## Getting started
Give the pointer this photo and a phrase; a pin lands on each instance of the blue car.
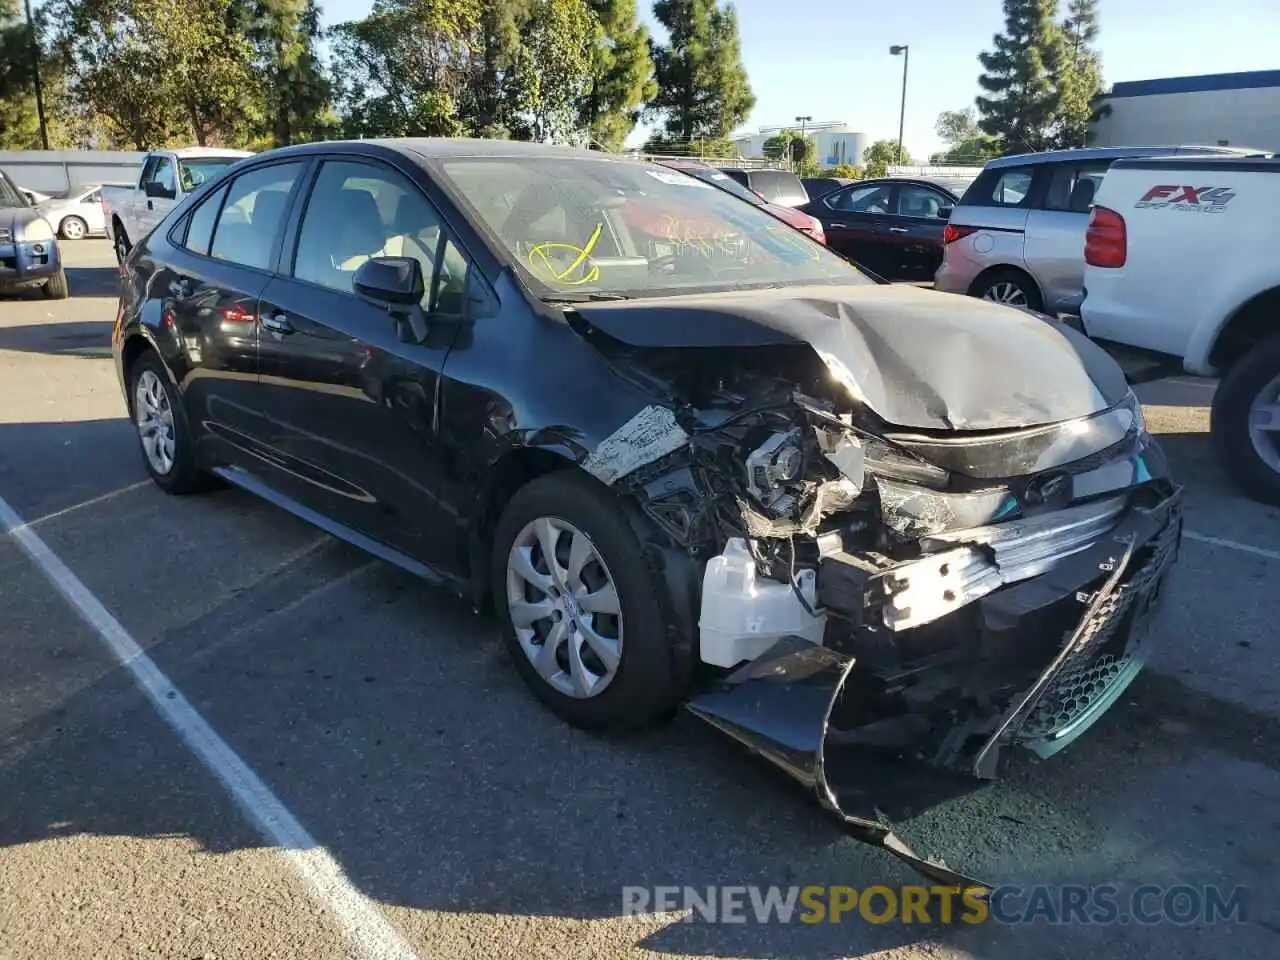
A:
(29, 254)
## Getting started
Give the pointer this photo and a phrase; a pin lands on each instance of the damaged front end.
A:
(890, 609)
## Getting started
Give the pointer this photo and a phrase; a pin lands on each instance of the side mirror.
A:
(393, 281)
(945, 212)
(395, 284)
(158, 191)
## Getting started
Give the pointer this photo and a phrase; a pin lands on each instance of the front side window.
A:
(162, 175)
(95, 197)
(252, 215)
(358, 211)
(588, 226)
(875, 198)
(917, 201)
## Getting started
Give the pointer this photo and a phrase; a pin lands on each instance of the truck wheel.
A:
(579, 607)
(1245, 422)
(55, 287)
(123, 246)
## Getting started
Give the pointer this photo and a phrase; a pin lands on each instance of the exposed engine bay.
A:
(927, 597)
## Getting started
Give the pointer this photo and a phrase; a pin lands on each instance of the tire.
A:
(1000, 284)
(73, 228)
(56, 288)
(644, 687)
(121, 243)
(1231, 421)
(182, 476)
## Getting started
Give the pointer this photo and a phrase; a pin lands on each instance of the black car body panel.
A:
(968, 488)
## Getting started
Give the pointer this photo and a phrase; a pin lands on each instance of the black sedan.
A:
(684, 452)
(892, 226)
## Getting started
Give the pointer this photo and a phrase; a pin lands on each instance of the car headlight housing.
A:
(36, 230)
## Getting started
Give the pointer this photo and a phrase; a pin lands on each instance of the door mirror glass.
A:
(390, 280)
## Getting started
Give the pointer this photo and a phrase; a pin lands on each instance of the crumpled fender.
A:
(779, 706)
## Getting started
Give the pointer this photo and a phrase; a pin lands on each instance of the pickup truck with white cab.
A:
(165, 178)
(1181, 265)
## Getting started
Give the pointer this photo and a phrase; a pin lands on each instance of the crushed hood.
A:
(917, 358)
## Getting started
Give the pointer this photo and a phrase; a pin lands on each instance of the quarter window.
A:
(358, 211)
(250, 221)
(1012, 189)
(200, 226)
(1073, 186)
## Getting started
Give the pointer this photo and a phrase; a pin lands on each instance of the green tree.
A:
(1021, 101)
(407, 68)
(778, 147)
(497, 53)
(553, 73)
(703, 89)
(294, 94)
(966, 143)
(622, 79)
(880, 155)
(845, 170)
(19, 125)
(1077, 74)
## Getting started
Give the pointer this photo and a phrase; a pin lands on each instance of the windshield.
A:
(195, 171)
(9, 195)
(587, 227)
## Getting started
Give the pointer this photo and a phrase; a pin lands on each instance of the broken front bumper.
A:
(907, 751)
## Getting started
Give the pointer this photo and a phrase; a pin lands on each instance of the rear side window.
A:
(1073, 185)
(253, 214)
(738, 175)
(779, 187)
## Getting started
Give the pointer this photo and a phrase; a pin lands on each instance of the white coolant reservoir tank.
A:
(743, 614)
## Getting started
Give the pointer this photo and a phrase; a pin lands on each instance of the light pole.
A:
(902, 113)
(802, 121)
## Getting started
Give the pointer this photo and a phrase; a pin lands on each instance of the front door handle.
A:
(277, 322)
(837, 226)
(899, 230)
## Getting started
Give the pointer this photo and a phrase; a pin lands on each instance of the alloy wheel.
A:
(1264, 424)
(564, 607)
(73, 228)
(1006, 292)
(153, 417)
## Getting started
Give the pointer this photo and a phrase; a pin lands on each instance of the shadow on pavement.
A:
(82, 282)
(386, 716)
(88, 339)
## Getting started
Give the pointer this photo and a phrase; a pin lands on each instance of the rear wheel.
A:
(72, 228)
(1246, 421)
(582, 616)
(168, 450)
(1013, 288)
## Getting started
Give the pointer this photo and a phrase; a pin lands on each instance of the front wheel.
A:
(1245, 422)
(56, 287)
(582, 615)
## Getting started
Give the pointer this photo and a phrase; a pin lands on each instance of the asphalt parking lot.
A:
(384, 717)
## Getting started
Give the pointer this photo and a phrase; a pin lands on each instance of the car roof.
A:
(1108, 153)
(185, 153)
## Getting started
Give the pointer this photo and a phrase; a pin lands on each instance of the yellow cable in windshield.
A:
(590, 276)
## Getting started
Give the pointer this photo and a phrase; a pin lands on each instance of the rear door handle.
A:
(277, 322)
(899, 229)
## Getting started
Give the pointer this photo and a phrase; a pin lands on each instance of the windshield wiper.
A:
(584, 297)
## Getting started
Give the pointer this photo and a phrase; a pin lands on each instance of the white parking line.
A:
(89, 503)
(1232, 545)
(371, 934)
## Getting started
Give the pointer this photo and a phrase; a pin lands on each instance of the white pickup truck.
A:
(165, 178)
(1182, 265)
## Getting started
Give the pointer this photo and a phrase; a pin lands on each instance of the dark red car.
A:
(789, 215)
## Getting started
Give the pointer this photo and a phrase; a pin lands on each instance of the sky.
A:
(829, 59)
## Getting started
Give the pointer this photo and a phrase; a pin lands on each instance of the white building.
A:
(834, 142)
(1224, 109)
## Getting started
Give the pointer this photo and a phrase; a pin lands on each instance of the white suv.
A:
(1017, 234)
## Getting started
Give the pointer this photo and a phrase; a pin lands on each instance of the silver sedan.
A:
(77, 215)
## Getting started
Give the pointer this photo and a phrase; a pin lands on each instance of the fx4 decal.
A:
(1166, 196)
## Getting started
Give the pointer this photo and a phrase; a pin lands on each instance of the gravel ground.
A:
(384, 717)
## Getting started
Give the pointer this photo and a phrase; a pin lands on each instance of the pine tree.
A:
(1078, 76)
(622, 75)
(295, 92)
(19, 127)
(1018, 75)
(703, 90)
